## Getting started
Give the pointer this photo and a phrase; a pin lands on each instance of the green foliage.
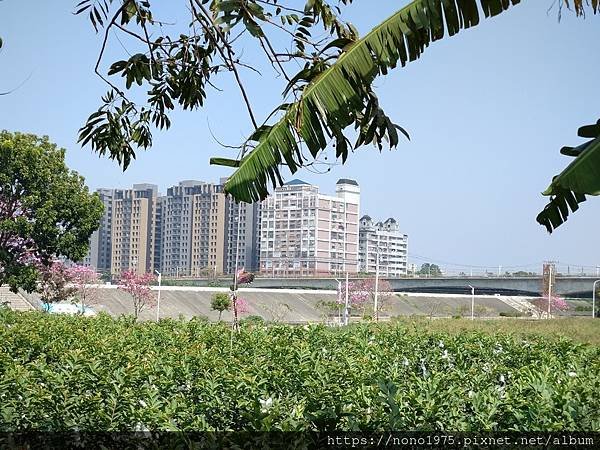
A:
(252, 320)
(339, 95)
(430, 270)
(64, 214)
(522, 273)
(67, 372)
(580, 178)
(220, 302)
(510, 314)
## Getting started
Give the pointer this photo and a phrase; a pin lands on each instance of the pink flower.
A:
(138, 286)
(241, 306)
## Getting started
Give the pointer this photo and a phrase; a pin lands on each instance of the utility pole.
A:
(594, 299)
(549, 289)
(158, 299)
(472, 302)
(347, 308)
(376, 281)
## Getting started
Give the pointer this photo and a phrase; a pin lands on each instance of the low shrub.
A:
(63, 373)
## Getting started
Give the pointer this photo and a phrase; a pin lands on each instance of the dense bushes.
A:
(61, 372)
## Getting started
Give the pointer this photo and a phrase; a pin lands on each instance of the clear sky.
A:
(487, 110)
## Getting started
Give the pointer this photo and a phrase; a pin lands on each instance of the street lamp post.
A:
(376, 282)
(347, 305)
(594, 299)
(339, 298)
(549, 289)
(472, 302)
(158, 299)
(346, 316)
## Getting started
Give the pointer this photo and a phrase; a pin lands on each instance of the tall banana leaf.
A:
(331, 101)
(580, 178)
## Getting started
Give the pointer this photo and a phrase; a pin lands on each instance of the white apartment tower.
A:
(303, 232)
(383, 241)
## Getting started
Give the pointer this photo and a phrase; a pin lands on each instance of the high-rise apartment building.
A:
(133, 229)
(193, 229)
(99, 253)
(303, 232)
(382, 241)
(243, 227)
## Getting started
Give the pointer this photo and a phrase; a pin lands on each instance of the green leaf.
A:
(569, 188)
(331, 101)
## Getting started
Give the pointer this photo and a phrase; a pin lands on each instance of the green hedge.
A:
(65, 373)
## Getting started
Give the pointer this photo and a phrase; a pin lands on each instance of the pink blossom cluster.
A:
(362, 291)
(16, 249)
(244, 277)
(138, 286)
(241, 305)
(557, 304)
(84, 280)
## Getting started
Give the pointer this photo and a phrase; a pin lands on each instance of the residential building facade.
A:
(382, 247)
(303, 232)
(243, 236)
(192, 234)
(99, 253)
(133, 229)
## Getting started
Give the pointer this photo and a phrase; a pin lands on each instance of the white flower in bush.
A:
(265, 405)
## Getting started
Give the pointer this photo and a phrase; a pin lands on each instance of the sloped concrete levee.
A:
(14, 301)
(295, 306)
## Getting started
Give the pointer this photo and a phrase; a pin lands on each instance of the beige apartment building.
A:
(193, 229)
(208, 232)
(133, 229)
(305, 233)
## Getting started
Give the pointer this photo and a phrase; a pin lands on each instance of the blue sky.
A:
(487, 110)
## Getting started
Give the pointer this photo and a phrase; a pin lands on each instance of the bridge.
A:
(576, 287)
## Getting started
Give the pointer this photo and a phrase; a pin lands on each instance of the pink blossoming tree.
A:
(361, 295)
(239, 305)
(19, 256)
(557, 305)
(85, 282)
(54, 283)
(46, 211)
(138, 286)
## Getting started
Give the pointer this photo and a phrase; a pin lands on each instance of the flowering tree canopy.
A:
(85, 283)
(557, 304)
(241, 305)
(361, 294)
(54, 283)
(46, 211)
(244, 277)
(138, 286)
